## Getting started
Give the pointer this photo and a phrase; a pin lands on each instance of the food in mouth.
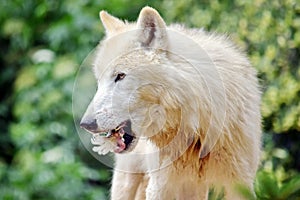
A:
(119, 136)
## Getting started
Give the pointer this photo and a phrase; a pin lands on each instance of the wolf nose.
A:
(89, 125)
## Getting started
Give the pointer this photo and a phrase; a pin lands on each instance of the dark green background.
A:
(41, 154)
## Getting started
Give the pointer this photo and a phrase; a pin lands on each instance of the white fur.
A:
(186, 86)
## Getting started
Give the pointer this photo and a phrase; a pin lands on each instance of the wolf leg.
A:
(125, 186)
(141, 191)
(160, 186)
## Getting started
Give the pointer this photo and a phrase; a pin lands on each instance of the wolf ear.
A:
(152, 29)
(110, 23)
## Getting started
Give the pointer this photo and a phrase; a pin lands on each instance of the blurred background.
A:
(42, 45)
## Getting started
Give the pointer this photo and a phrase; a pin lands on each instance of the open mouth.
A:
(121, 135)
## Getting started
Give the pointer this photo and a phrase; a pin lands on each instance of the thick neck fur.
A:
(176, 140)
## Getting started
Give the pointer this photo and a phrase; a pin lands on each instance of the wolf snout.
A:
(89, 125)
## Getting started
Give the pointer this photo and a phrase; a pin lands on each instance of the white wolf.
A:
(179, 107)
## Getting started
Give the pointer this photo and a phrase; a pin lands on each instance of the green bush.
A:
(42, 46)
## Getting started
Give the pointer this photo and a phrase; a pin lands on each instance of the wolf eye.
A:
(120, 76)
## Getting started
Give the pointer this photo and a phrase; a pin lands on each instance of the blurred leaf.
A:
(26, 79)
(64, 67)
(245, 192)
(51, 98)
(290, 187)
(13, 27)
(266, 185)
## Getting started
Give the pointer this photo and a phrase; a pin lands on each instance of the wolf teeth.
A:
(108, 134)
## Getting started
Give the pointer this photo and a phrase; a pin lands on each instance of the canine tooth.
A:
(108, 134)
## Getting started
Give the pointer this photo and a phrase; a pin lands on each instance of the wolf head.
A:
(146, 86)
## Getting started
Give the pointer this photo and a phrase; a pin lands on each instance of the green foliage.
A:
(268, 186)
(42, 46)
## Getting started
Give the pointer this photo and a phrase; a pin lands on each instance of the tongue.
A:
(120, 145)
(120, 141)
